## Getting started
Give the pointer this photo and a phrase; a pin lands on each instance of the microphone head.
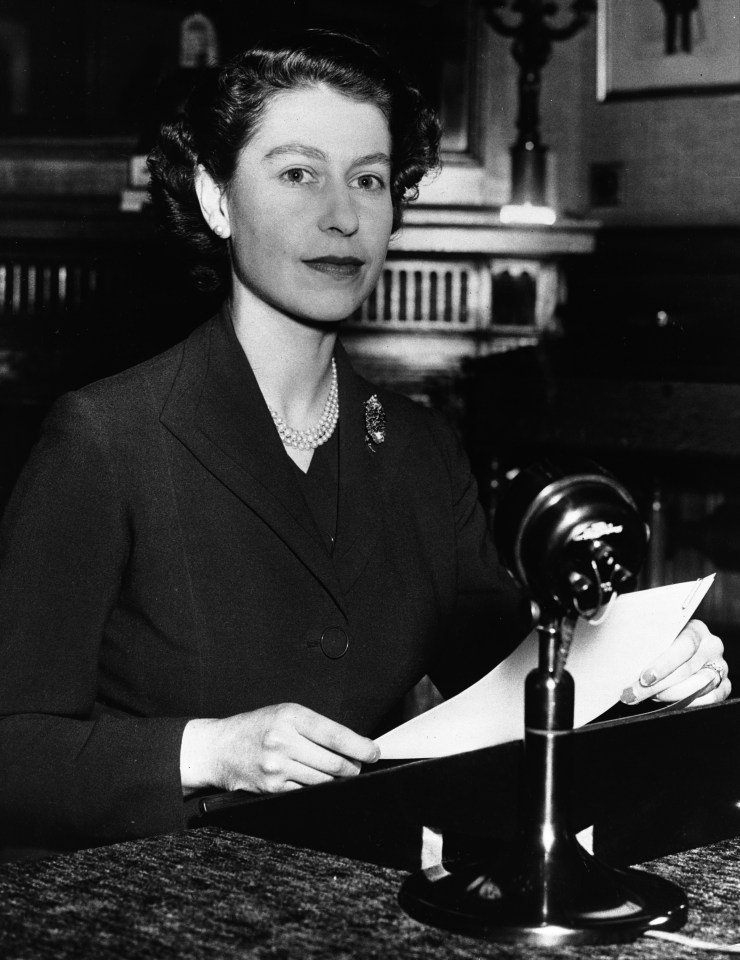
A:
(570, 533)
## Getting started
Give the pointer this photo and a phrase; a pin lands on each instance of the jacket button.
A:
(334, 642)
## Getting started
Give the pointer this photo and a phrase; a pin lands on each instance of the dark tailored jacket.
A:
(158, 562)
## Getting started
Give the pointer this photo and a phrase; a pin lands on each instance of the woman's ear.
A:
(212, 202)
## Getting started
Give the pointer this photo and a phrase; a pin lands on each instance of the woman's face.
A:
(309, 207)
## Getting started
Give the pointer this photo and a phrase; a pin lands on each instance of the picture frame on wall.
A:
(649, 48)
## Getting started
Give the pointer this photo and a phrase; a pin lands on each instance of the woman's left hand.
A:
(692, 662)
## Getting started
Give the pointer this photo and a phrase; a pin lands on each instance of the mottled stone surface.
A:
(212, 894)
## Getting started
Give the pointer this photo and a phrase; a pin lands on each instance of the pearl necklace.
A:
(314, 436)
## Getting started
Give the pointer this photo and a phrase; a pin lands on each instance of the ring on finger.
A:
(713, 665)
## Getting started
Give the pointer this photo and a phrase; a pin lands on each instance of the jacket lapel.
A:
(363, 475)
(217, 410)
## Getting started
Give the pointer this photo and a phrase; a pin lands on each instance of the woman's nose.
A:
(338, 213)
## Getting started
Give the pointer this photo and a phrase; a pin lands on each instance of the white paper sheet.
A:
(603, 660)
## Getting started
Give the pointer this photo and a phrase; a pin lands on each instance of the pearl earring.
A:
(218, 230)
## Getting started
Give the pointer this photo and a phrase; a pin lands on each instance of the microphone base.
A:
(595, 903)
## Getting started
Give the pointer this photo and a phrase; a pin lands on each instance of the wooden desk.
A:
(215, 894)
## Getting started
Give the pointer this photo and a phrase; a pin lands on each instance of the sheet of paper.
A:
(603, 660)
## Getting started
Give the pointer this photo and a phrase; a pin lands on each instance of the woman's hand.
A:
(692, 662)
(270, 750)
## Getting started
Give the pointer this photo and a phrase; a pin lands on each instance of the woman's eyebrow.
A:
(371, 158)
(312, 152)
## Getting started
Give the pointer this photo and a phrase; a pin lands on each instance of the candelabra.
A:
(533, 27)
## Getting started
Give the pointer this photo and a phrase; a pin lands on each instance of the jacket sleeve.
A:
(71, 777)
(492, 613)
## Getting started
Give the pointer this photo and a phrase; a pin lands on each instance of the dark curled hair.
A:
(223, 112)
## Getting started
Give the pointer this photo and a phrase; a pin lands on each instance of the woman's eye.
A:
(370, 181)
(297, 175)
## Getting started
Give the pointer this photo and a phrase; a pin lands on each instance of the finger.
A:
(304, 775)
(290, 775)
(710, 650)
(680, 652)
(308, 775)
(326, 761)
(705, 654)
(693, 647)
(709, 680)
(336, 737)
(720, 693)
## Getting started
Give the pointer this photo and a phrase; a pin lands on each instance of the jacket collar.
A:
(216, 409)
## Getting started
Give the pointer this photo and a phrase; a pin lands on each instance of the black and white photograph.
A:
(369, 471)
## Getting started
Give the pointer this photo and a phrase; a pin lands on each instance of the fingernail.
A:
(629, 695)
(648, 679)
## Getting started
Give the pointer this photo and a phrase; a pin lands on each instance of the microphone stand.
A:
(554, 893)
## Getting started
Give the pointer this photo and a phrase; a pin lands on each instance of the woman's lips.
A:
(340, 268)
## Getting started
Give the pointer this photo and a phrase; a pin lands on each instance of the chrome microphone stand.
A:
(573, 540)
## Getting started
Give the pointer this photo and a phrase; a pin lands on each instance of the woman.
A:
(224, 567)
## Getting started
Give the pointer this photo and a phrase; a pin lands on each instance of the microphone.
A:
(571, 534)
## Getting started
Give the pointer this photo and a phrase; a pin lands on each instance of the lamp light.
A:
(527, 214)
(572, 535)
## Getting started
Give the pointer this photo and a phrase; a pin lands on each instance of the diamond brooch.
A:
(374, 423)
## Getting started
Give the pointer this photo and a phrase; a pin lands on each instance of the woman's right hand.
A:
(270, 750)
